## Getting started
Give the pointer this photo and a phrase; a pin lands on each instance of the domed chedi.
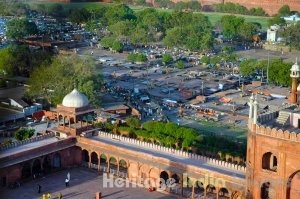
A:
(75, 99)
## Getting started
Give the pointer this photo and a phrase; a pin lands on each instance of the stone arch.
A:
(211, 191)
(85, 156)
(269, 161)
(47, 164)
(36, 167)
(103, 160)
(293, 186)
(60, 120)
(113, 163)
(94, 158)
(223, 193)
(56, 162)
(26, 170)
(199, 187)
(176, 178)
(123, 167)
(164, 179)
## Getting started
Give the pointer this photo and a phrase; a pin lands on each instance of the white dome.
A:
(295, 67)
(75, 99)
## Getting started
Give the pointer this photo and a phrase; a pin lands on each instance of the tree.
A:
(79, 16)
(292, 35)
(257, 12)
(20, 28)
(117, 46)
(118, 13)
(107, 42)
(247, 30)
(24, 133)
(166, 59)
(276, 20)
(231, 25)
(133, 122)
(56, 10)
(121, 29)
(53, 81)
(139, 36)
(284, 11)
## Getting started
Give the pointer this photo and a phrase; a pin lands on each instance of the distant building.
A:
(294, 18)
(272, 33)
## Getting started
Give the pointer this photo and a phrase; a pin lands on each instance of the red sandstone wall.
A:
(270, 6)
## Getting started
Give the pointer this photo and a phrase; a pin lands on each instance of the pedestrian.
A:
(49, 196)
(67, 182)
(59, 196)
(39, 188)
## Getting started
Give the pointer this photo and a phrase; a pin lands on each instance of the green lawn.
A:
(214, 17)
(227, 130)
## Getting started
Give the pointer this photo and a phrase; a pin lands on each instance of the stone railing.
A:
(271, 115)
(277, 133)
(173, 151)
(27, 141)
(262, 118)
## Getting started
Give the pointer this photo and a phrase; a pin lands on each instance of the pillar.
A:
(217, 190)
(193, 190)
(90, 159)
(118, 167)
(255, 111)
(251, 106)
(293, 96)
(69, 122)
(99, 166)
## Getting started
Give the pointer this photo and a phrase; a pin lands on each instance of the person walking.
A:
(39, 188)
(67, 182)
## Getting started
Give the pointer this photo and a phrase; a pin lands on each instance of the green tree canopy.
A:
(118, 13)
(79, 16)
(292, 35)
(24, 133)
(231, 25)
(276, 20)
(20, 28)
(53, 81)
(284, 11)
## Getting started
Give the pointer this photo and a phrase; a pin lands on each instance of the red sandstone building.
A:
(273, 149)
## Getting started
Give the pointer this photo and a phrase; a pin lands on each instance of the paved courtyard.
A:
(84, 184)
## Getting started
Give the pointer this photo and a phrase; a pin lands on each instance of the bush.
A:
(166, 59)
(205, 59)
(137, 57)
(133, 122)
(180, 64)
(24, 133)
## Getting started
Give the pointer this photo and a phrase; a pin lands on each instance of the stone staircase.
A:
(283, 117)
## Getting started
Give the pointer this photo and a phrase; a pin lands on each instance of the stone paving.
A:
(84, 184)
